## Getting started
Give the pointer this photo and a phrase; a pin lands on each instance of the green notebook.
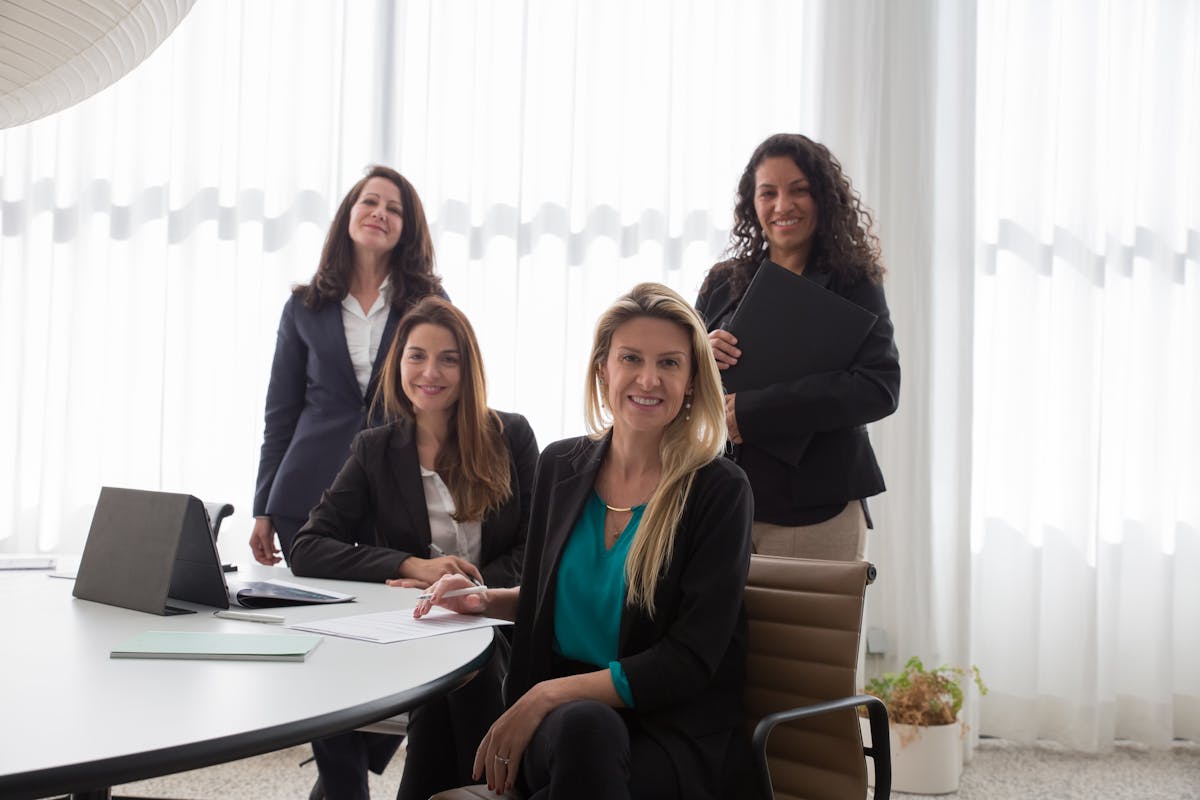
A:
(222, 646)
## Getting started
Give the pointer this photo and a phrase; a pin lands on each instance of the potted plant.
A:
(923, 710)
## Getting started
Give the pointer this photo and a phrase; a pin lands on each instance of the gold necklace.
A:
(618, 510)
(613, 528)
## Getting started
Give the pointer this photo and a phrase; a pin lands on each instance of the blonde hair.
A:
(474, 460)
(694, 438)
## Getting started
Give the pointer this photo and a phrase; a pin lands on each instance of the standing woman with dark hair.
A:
(334, 332)
(443, 488)
(629, 646)
(796, 206)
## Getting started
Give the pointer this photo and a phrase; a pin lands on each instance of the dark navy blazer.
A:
(314, 408)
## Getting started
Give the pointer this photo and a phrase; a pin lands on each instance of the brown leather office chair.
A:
(805, 617)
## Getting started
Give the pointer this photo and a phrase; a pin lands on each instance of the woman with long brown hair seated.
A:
(443, 489)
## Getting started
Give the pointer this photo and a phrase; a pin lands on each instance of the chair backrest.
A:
(216, 513)
(805, 617)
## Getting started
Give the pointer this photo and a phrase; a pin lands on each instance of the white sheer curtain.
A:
(1086, 529)
(568, 152)
(149, 238)
(564, 151)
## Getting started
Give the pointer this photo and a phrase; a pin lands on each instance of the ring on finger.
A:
(502, 760)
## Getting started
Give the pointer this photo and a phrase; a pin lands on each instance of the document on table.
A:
(385, 627)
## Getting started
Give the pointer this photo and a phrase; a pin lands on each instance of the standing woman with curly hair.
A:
(333, 336)
(796, 207)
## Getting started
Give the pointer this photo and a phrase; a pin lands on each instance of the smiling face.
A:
(785, 207)
(377, 216)
(647, 373)
(431, 369)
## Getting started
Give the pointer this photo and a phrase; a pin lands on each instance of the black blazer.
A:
(833, 408)
(686, 665)
(314, 407)
(374, 515)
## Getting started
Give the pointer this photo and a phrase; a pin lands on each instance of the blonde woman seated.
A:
(629, 645)
(443, 489)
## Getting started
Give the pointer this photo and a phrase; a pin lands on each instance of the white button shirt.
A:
(462, 539)
(364, 331)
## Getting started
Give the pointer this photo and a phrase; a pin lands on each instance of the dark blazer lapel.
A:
(716, 318)
(410, 496)
(819, 277)
(567, 498)
(385, 344)
(333, 332)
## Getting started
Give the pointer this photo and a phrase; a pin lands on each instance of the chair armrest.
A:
(880, 750)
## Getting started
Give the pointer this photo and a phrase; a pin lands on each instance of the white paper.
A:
(385, 627)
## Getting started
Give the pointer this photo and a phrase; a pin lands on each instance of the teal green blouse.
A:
(590, 594)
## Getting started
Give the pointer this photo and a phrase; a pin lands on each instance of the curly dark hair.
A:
(843, 242)
(411, 260)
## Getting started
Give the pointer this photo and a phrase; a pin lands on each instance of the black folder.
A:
(787, 328)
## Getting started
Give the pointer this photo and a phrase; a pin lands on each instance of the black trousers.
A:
(443, 735)
(586, 750)
(343, 761)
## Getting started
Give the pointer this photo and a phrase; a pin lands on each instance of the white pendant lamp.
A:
(54, 53)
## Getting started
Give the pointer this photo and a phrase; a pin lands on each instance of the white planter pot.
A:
(925, 760)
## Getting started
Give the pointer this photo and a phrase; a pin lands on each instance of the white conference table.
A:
(72, 720)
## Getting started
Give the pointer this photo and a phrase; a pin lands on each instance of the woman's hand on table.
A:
(421, 573)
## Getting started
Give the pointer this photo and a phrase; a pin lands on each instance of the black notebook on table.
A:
(146, 549)
(787, 328)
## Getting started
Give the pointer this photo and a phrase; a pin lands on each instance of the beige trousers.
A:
(843, 538)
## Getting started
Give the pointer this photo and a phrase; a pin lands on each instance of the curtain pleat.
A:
(1086, 519)
(1033, 176)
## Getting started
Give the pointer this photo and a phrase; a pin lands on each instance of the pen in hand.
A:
(437, 552)
(477, 589)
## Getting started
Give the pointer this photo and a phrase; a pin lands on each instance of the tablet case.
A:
(144, 548)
